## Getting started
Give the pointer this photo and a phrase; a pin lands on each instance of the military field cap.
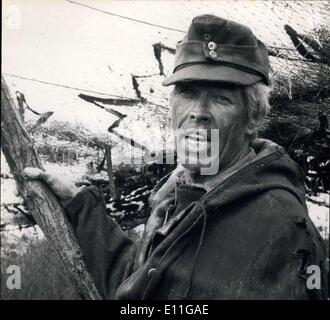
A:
(216, 49)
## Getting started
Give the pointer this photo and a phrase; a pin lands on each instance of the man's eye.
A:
(222, 99)
(187, 92)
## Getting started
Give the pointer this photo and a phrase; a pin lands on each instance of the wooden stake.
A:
(42, 202)
(110, 170)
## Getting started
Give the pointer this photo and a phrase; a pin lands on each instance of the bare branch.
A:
(299, 43)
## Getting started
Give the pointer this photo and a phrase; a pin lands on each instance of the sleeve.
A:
(291, 263)
(108, 252)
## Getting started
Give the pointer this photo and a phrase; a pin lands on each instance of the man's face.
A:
(199, 107)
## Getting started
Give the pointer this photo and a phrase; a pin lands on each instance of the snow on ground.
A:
(319, 214)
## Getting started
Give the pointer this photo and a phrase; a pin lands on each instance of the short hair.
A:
(257, 100)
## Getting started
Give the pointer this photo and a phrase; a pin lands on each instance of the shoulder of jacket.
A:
(290, 218)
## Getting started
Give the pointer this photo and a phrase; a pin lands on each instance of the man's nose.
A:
(200, 114)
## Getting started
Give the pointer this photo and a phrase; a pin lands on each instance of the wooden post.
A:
(110, 171)
(42, 202)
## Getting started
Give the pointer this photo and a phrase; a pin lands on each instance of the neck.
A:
(194, 176)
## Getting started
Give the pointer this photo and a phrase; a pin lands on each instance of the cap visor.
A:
(211, 72)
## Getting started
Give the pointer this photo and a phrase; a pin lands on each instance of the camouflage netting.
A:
(297, 37)
(126, 48)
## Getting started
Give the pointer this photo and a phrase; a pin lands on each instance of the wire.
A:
(124, 17)
(2, 229)
(156, 104)
(66, 86)
(149, 23)
(294, 139)
(79, 89)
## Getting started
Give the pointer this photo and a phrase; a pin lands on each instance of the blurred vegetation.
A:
(41, 275)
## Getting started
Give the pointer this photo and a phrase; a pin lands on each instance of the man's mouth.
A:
(197, 140)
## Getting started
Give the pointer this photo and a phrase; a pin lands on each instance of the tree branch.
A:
(130, 141)
(299, 43)
(41, 201)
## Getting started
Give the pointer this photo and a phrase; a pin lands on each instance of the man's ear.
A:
(253, 125)
(252, 128)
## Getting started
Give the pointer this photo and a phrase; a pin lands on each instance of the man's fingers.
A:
(38, 174)
(61, 187)
(33, 173)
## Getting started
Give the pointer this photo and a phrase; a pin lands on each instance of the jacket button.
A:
(213, 54)
(212, 45)
(151, 272)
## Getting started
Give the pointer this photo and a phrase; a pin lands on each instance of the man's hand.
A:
(61, 186)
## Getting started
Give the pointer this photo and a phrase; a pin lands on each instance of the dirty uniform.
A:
(244, 235)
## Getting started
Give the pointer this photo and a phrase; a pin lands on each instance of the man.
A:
(230, 222)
